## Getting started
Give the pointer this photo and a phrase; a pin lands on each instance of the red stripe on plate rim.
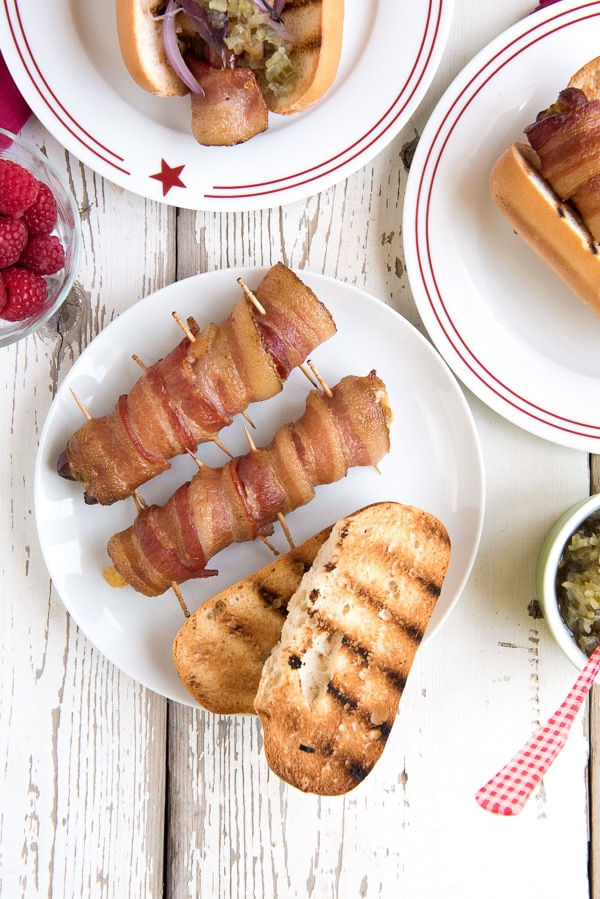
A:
(336, 162)
(49, 98)
(455, 339)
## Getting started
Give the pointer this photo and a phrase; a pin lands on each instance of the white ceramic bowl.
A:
(546, 571)
(68, 229)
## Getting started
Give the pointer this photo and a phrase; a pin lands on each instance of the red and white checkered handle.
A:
(508, 791)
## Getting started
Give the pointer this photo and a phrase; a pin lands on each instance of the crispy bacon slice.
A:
(566, 137)
(186, 398)
(232, 108)
(241, 500)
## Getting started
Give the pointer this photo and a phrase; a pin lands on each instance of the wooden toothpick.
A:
(198, 462)
(250, 440)
(222, 446)
(252, 298)
(286, 530)
(179, 595)
(81, 406)
(326, 388)
(184, 327)
(141, 364)
(140, 502)
(307, 372)
(269, 545)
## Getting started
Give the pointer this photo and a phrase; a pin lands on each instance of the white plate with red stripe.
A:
(513, 334)
(65, 59)
(434, 462)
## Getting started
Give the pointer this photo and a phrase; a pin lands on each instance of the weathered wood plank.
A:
(83, 745)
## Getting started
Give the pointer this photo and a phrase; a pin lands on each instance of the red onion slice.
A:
(212, 27)
(173, 52)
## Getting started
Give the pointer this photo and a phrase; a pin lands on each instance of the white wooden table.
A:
(109, 790)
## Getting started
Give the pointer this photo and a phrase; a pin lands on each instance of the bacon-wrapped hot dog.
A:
(549, 189)
(241, 500)
(186, 398)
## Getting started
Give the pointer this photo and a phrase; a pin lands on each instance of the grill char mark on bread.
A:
(355, 623)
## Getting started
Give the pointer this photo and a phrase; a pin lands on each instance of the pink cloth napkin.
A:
(14, 111)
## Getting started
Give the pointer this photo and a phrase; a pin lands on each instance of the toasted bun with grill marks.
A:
(330, 690)
(220, 651)
(317, 27)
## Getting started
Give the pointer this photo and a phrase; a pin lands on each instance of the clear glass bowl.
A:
(68, 229)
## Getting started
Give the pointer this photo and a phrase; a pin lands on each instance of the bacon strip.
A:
(232, 108)
(566, 137)
(186, 398)
(241, 500)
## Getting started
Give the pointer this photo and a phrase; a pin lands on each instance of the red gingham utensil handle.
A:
(508, 791)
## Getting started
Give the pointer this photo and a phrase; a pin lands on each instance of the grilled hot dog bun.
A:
(551, 227)
(549, 189)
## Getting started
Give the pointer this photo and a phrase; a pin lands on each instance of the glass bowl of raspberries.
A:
(40, 239)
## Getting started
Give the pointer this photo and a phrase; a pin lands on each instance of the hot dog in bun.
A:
(238, 59)
(549, 188)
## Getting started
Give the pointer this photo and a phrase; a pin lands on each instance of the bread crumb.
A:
(378, 715)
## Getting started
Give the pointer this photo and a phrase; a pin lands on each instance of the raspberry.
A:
(41, 216)
(25, 293)
(18, 188)
(13, 239)
(3, 296)
(44, 254)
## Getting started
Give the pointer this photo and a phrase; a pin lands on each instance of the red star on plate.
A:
(169, 177)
